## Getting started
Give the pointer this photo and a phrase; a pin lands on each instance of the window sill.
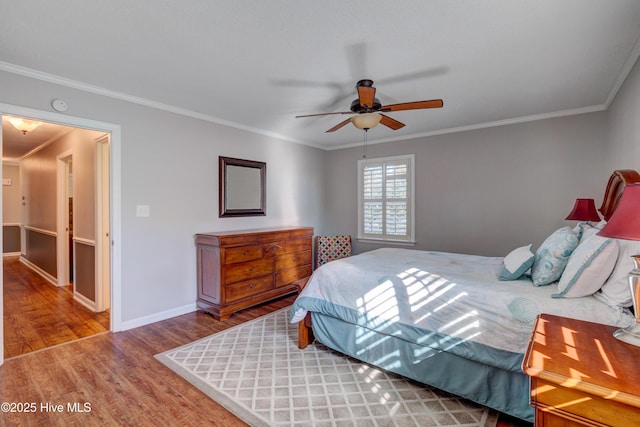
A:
(387, 242)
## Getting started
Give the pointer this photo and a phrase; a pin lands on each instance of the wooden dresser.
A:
(581, 375)
(238, 269)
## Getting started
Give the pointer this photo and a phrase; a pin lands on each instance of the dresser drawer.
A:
(298, 245)
(290, 275)
(248, 288)
(293, 260)
(246, 270)
(242, 254)
(273, 249)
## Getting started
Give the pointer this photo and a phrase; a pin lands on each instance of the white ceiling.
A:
(15, 144)
(257, 64)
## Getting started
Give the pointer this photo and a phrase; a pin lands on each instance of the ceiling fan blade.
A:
(418, 105)
(367, 95)
(324, 114)
(390, 123)
(339, 125)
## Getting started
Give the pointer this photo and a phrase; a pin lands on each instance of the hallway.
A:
(39, 315)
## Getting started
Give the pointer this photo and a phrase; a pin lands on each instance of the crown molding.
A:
(631, 60)
(97, 90)
(484, 125)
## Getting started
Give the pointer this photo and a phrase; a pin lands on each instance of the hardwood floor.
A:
(113, 379)
(116, 375)
(38, 315)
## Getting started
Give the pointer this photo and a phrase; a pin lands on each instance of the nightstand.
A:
(580, 375)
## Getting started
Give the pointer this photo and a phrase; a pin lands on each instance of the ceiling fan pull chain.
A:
(364, 152)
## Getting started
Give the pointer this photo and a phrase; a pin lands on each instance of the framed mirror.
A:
(242, 187)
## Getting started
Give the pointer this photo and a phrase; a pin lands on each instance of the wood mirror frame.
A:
(242, 187)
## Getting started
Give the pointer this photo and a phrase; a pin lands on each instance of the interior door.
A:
(103, 224)
(70, 235)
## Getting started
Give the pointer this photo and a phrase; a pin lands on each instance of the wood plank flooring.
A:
(114, 379)
(39, 315)
(118, 377)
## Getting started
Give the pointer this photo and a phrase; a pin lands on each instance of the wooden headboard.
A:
(618, 180)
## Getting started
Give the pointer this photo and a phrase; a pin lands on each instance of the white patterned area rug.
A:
(256, 371)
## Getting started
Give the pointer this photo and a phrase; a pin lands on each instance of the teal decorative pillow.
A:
(581, 228)
(516, 263)
(588, 268)
(552, 256)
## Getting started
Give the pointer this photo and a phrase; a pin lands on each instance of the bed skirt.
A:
(496, 388)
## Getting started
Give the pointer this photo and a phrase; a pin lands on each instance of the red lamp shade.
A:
(625, 221)
(584, 210)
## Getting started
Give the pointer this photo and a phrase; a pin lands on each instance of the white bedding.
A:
(430, 297)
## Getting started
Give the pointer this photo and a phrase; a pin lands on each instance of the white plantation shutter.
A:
(373, 203)
(386, 198)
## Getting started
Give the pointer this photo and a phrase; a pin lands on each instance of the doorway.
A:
(100, 258)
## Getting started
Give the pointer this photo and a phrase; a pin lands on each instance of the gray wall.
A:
(624, 124)
(11, 239)
(485, 191)
(84, 280)
(169, 162)
(40, 250)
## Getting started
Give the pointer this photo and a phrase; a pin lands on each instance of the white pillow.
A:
(588, 232)
(588, 268)
(516, 263)
(616, 291)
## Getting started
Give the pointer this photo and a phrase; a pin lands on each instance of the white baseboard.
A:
(11, 254)
(81, 299)
(157, 317)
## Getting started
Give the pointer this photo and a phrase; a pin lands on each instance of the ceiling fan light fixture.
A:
(368, 110)
(366, 120)
(23, 125)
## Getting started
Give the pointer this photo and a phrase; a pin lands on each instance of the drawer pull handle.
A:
(251, 286)
(250, 268)
(244, 253)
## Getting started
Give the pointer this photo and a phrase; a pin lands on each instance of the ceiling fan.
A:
(367, 109)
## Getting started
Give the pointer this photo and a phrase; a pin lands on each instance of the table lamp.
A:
(625, 224)
(584, 210)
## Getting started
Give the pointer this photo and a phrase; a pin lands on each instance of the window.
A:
(385, 198)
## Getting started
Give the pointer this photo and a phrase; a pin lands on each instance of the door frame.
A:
(62, 217)
(115, 201)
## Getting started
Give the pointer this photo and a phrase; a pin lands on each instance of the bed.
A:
(461, 323)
